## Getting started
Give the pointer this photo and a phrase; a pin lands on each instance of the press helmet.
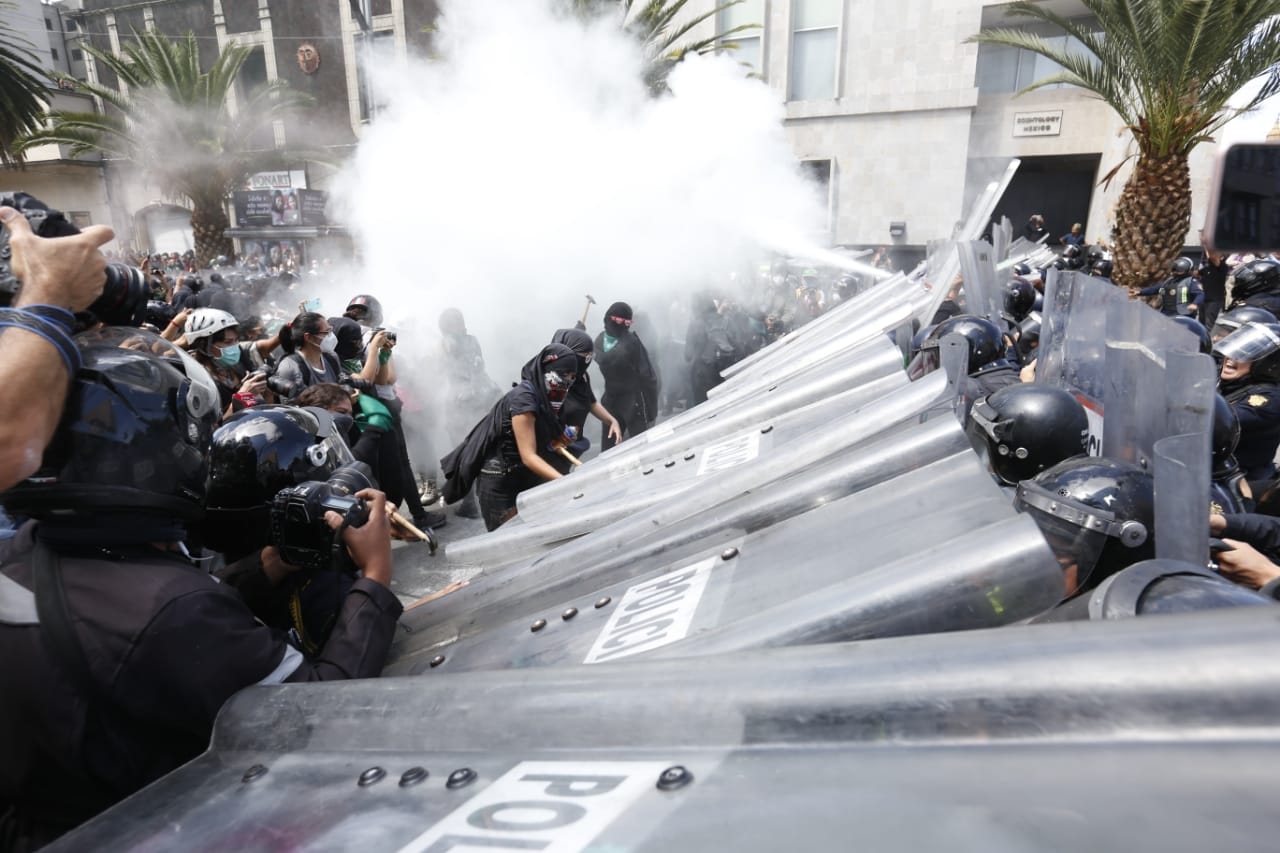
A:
(1023, 429)
(204, 323)
(372, 309)
(133, 436)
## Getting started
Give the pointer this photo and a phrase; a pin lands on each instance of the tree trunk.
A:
(1152, 218)
(208, 222)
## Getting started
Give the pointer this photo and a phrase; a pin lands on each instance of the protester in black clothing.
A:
(118, 651)
(630, 382)
(581, 400)
(501, 454)
(708, 348)
(1213, 274)
(186, 295)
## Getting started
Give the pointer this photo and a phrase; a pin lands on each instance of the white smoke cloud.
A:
(527, 166)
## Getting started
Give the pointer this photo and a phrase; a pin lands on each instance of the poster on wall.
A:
(272, 256)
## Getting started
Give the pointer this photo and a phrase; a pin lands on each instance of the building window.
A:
(815, 43)
(48, 24)
(53, 51)
(1002, 70)
(748, 41)
(77, 54)
(71, 25)
(819, 172)
(369, 48)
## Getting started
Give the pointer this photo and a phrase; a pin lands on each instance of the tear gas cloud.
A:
(525, 165)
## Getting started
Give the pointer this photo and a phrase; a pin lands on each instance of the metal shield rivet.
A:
(673, 778)
(460, 778)
(436, 661)
(257, 771)
(604, 602)
(538, 625)
(413, 776)
(569, 614)
(728, 553)
(370, 776)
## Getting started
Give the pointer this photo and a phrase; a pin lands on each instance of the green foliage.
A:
(171, 118)
(654, 24)
(23, 90)
(1168, 67)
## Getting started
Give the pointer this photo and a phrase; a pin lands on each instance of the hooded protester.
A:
(630, 382)
(581, 400)
(501, 453)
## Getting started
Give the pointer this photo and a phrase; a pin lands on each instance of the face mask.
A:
(342, 424)
(557, 387)
(229, 356)
(329, 343)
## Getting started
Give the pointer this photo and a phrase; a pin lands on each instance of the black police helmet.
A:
(1182, 266)
(1226, 435)
(1196, 328)
(1261, 276)
(1029, 337)
(1019, 299)
(158, 314)
(1231, 320)
(372, 308)
(133, 436)
(1097, 514)
(1023, 429)
(984, 338)
(1102, 268)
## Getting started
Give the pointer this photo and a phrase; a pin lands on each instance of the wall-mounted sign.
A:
(280, 207)
(1043, 123)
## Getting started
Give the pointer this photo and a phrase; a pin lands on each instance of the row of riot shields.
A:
(760, 625)
(1156, 732)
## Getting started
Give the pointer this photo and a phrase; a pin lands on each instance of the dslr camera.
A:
(298, 528)
(124, 294)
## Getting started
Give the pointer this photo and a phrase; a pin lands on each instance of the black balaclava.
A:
(580, 342)
(617, 320)
(553, 359)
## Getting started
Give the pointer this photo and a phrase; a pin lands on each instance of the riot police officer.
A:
(1021, 430)
(1237, 317)
(1097, 514)
(1229, 491)
(989, 369)
(1180, 293)
(1250, 381)
(116, 650)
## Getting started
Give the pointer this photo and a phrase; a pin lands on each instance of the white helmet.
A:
(205, 322)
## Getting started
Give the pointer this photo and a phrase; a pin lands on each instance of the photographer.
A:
(62, 274)
(213, 337)
(116, 651)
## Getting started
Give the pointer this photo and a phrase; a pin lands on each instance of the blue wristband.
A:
(62, 316)
(51, 332)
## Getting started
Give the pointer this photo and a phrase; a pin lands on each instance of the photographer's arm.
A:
(65, 272)
(266, 346)
(371, 364)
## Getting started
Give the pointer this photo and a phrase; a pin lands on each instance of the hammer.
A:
(586, 311)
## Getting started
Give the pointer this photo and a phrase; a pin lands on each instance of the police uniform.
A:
(164, 646)
(1257, 405)
(1176, 294)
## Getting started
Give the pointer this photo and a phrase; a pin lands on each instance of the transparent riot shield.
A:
(1073, 334)
(598, 502)
(1160, 732)
(867, 378)
(983, 295)
(1150, 395)
(976, 563)
(1001, 238)
(1182, 498)
(730, 503)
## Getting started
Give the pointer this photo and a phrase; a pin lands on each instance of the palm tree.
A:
(172, 122)
(22, 91)
(1168, 68)
(654, 24)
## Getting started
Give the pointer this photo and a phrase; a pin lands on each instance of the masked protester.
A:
(630, 382)
(581, 400)
(501, 453)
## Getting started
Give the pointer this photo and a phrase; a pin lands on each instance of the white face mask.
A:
(330, 343)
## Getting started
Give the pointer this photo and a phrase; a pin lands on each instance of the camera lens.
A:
(124, 296)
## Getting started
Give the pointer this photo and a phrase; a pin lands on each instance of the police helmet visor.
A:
(925, 362)
(1251, 342)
